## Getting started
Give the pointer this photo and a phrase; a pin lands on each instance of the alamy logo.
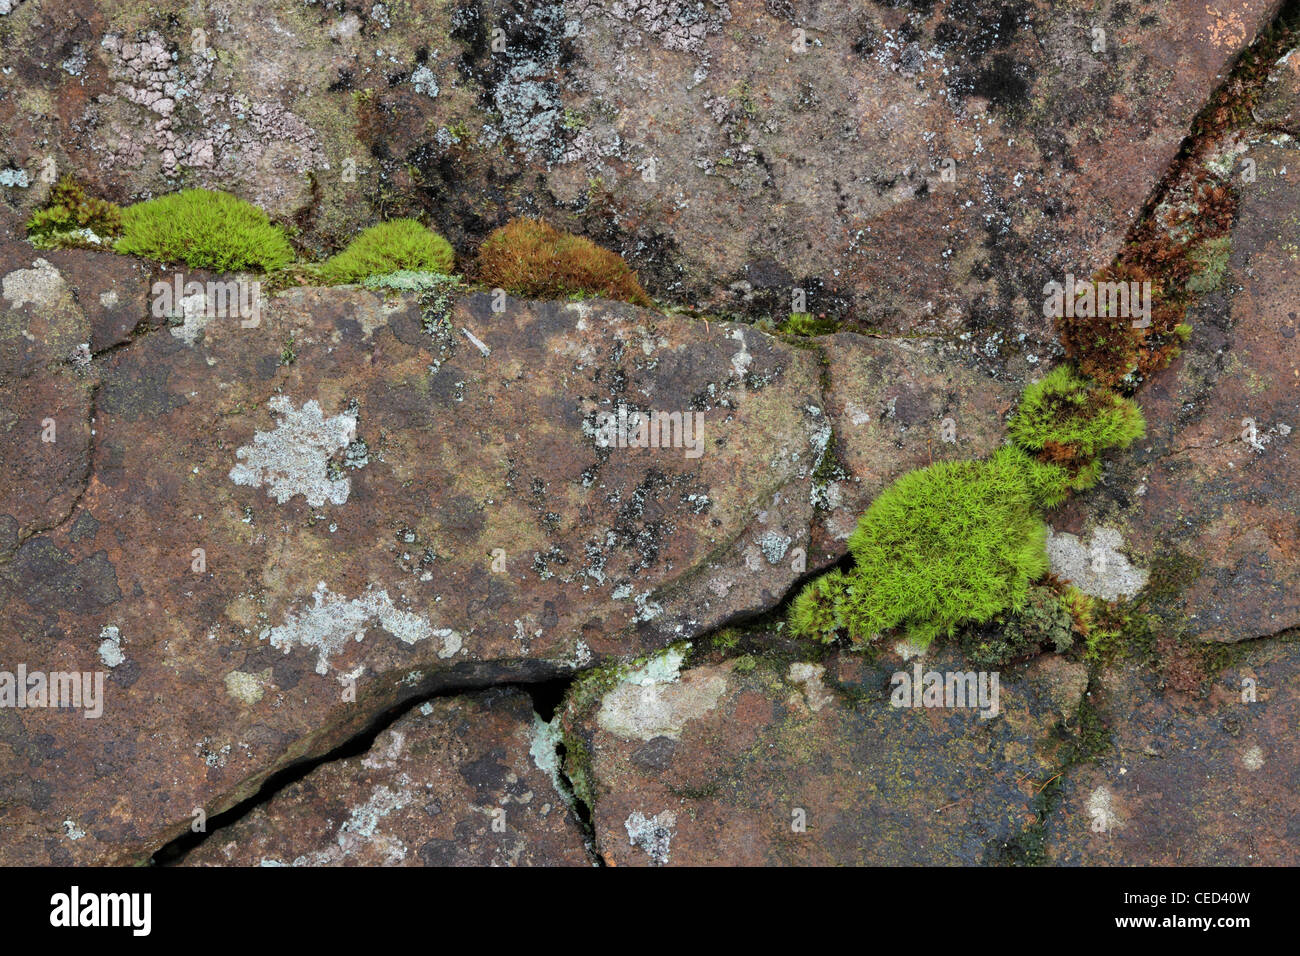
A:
(1089, 300)
(59, 689)
(232, 298)
(951, 689)
(632, 429)
(74, 909)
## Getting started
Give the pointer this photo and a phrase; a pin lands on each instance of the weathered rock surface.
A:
(808, 763)
(240, 524)
(272, 513)
(1279, 104)
(1191, 781)
(455, 782)
(728, 165)
(1210, 500)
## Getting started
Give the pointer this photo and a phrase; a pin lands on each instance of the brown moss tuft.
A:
(532, 258)
(1195, 208)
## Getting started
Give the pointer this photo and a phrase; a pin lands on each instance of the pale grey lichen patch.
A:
(1101, 807)
(14, 178)
(294, 458)
(244, 687)
(361, 828)
(545, 750)
(774, 545)
(654, 834)
(653, 701)
(110, 646)
(42, 286)
(809, 677)
(425, 81)
(194, 314)
(332, 619)
(1095, 566)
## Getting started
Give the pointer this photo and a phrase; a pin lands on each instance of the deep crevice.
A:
(544, 693)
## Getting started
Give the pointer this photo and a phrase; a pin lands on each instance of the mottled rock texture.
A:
(1207, 781)
(807, 762)
(1210, 499)
(910, 166)
(453, 783)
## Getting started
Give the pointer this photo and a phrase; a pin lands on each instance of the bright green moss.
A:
(71, 220)
(204, 229)
(954, 543)
(1069, 421)
(804, 323)
(402, 245)
(819, 611)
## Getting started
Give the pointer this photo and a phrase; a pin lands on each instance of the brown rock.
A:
(807, 762)
(731, 167)
(1190, 782)
(1210, 500)
(319, 500)
(452, 783)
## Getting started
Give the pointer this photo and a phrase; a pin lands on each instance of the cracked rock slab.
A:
(452, 783)
(487, 534)
(1210, 499)
(1206, 781)
(805, 763)
(930, 165)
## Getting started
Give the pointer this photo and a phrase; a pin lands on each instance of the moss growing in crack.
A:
(1042, 622)
(386, 248)
(1210, 262)
(532, 258)
(805, 324)
(820, 611)
(954, 543)
(72, 220)
(204, 229)
(1069, 421)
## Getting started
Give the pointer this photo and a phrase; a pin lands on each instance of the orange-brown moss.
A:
(532, 258)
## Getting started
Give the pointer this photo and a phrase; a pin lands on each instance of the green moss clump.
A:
(205, 229)
(820, 610)
(804, 323)
(72, 220)
(1069, 421)
(954, 543)
(532, 258)
(398, 245)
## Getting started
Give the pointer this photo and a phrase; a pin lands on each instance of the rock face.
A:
(336, 498)
(1208, 782)
(268, 526)
(913, 166)
(1279, 105)
(1211, 498)
(241, 531)
(809, 763)
(454, 783)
